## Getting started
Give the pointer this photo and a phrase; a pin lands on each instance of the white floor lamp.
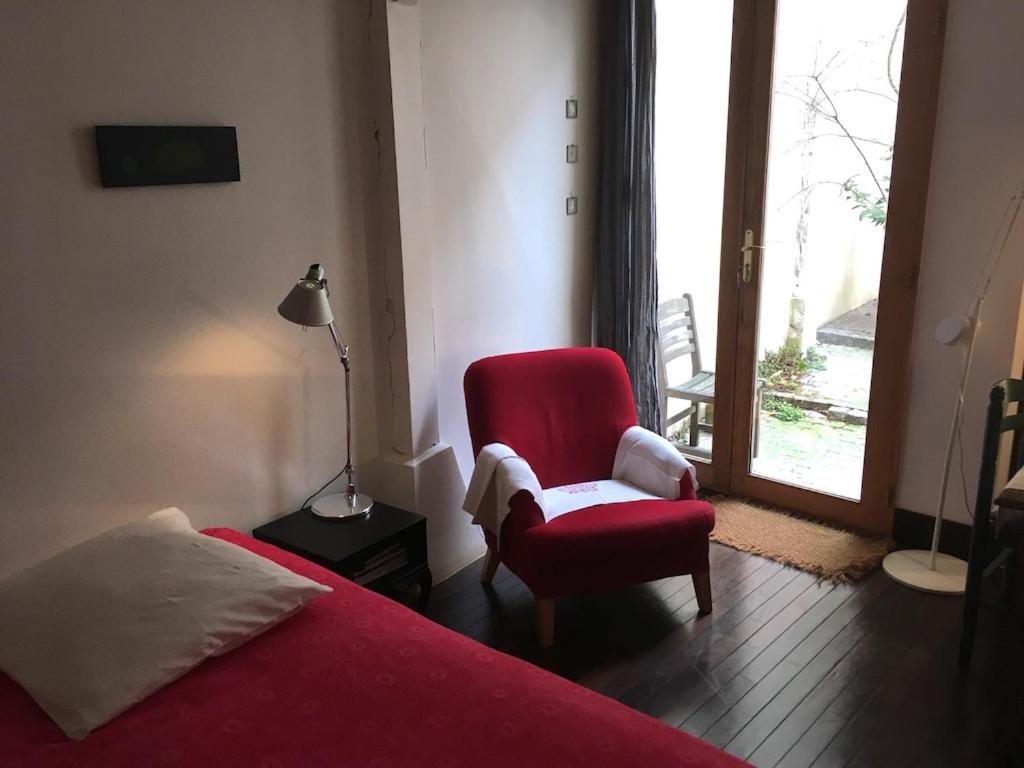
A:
(931, 570)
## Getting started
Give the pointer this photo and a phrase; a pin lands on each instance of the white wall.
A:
(144, 362)
(489, 261)
(978, 160)
(511, 270)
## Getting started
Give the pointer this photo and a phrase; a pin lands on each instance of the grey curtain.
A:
(626, 275)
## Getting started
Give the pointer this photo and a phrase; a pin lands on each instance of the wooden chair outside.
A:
(996, 536)
(677, 334)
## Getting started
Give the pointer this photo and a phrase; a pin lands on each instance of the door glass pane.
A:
(834, 93)
(691, 111)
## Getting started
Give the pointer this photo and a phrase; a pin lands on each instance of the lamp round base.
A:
(909, 567)
(341, 506)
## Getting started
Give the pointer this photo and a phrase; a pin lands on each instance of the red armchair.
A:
(564, 411)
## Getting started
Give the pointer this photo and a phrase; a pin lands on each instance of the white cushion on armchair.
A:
(647, 466)
(650, 462)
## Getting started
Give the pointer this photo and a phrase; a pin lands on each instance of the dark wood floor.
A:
(786, 671)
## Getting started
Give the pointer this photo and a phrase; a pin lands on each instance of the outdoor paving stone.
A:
(823, 455)
(856, 416)
(826, 457)
(821, 451)
(855, 328)
(837, 413)
(845, 378)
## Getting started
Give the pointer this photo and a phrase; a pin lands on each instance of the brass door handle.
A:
(747, 267)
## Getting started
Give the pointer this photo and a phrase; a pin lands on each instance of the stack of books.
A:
(384, 562)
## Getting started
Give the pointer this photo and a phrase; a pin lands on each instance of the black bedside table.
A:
(386, 551)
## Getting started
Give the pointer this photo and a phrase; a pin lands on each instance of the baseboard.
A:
(912, 530)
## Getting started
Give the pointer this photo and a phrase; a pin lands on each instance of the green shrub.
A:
(784, 368)
(814, 359)
(781, 409)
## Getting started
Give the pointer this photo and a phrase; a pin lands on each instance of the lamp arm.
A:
(339, 344)
(342, 350)
(976, 309)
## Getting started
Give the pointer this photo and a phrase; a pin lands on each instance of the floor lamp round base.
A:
(341, 506)
(910, 568)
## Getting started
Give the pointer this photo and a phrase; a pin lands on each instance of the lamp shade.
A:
(307, 304)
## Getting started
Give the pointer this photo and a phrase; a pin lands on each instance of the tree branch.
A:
(892, 52)
(865, 139)
(834, 117)
(806, 189)
(881, 95)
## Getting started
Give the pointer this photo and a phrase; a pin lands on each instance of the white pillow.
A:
(101, 626)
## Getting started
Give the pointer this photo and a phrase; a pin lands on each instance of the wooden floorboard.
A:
(787, 671)
(808, 729)
(748, 691)
(699, 679)
(753, 718)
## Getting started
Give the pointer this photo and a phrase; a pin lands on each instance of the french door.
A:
(793, 153)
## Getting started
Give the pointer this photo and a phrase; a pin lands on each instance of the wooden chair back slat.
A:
(1013, 390)
(1015, 421)
(676, 351)
(672, 335)
(675, 317)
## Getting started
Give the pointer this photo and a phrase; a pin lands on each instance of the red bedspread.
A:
(357, 680)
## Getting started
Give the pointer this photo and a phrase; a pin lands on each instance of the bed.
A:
(357, 680)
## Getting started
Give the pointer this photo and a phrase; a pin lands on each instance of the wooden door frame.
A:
(743, 208)
(741, 114)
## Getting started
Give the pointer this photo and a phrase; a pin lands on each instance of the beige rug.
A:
(819, 548)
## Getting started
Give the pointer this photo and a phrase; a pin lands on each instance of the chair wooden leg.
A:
(1010, 579)
(491, 563)
(981, 540)
(702, 586)
(972, 591)
(972, 599)
(546, 622)
(695, 426)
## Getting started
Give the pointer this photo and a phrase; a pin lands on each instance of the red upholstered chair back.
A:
(563, 410)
